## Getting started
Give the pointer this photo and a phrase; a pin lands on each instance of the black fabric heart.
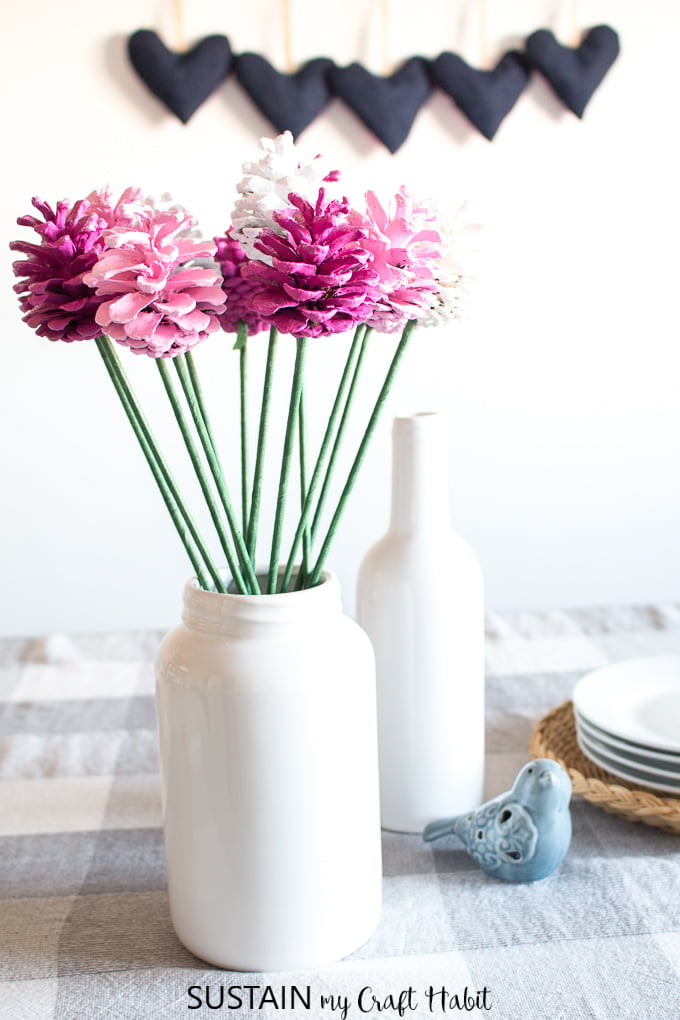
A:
(574, 73)
(289, 101)
(485, 97)
(387, 106)
(180, 80)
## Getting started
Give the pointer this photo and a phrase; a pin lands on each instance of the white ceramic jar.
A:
(267, 728)
(420, 599)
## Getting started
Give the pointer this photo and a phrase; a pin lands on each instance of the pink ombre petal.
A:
(194, 248)
(143, 326)
(291, 321)
(267, 302)
(58, 323)
(164, 337)
(117, 333)
(125, 308)
(195, 276)
(376, 210)
(257, 270)
(193, 322)
(299, 268)
(209, 295)
(302, 293)
(74, 306)
(176, 305)
(103, 316)
(213, 323)
(121, 286)
(273, 244)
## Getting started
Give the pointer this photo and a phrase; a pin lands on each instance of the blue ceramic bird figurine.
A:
(521, 835)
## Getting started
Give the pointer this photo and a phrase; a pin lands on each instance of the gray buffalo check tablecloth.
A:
(85, 930)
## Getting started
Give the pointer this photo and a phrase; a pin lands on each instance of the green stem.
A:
(198, 393)
(180, 516)
(340, 435)
(193, 395)
(242, 347)
(254, 515)
(323, 453)
(302, 443)
(200, 473)
(361, 452)
(289, 438)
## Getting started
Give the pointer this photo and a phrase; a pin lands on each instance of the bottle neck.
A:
(420, 487)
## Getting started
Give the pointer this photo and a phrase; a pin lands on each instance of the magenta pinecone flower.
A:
(407, 249)
(320, 280)
(238, 289)
(154, 302)
(55, 301)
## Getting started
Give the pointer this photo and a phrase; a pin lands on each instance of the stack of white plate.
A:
(628, 720)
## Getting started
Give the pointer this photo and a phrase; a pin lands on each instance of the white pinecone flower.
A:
(454, 280)
(281, 169)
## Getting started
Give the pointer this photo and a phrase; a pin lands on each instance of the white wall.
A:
(561, 390)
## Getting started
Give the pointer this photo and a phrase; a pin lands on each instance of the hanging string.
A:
(180, 26)
(385, 12)
(575, 23)
(287, 42)
(484, 34)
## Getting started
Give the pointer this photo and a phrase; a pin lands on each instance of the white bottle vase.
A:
(421, 601)
(267, 727)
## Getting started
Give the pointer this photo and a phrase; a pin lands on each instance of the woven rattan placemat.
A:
(555, 737)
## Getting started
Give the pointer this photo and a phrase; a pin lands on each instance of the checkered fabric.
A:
(85, 931)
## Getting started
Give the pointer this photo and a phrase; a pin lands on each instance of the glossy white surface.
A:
(637, 700)
(635, 773)
(420, 599)
(630, 752)
(636, 768)
(269, 776)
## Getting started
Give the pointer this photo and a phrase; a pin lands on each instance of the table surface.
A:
(85, 930)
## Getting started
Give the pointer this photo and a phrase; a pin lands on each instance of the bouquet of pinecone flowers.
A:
(298, 259)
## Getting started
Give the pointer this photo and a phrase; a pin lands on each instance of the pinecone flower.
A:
(55, 301)
(153, 300)
(321, 279)
(267, 183)
(406, 246)
(238, 289)
(454, 280)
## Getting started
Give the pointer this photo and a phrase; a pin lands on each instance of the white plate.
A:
(616, 758)
(637, 700)
(630, 752)
(633, 775)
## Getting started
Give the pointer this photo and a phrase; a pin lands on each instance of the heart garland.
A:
(574, 73)
(289, 101)
(485, 97)
(182, 81)
(387, 105)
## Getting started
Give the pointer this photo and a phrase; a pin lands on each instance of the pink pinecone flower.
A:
(154, 302)
(406, 247)
(321, 280)
(56, 302)
(238, 289)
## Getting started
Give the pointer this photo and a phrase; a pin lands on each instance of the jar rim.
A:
(327, 576)
(204, 609)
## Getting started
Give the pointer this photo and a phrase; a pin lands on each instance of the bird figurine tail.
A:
(442, 827)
